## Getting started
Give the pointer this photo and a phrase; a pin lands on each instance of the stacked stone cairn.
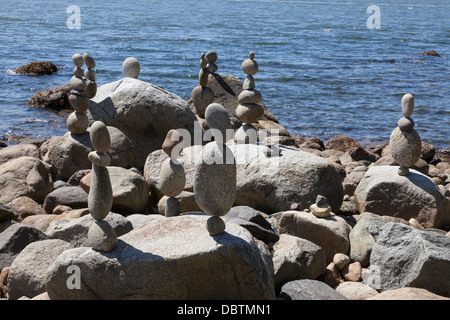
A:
(101, 235)
(405, 142)
(84, 88)
(215, 174)
(172, 178)
(321, 208)
(202, 95)
(131, 68)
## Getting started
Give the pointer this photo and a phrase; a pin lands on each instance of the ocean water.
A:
(322, 71)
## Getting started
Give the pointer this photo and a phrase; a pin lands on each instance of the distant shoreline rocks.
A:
(37, 68)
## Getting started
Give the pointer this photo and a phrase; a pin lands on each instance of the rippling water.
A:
(322, 71)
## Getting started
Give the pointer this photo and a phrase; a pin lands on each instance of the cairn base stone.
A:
(215, 225)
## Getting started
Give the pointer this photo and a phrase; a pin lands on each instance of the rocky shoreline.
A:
(320, 220)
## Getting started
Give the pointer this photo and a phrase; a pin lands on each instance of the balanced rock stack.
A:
(405, 142)
(172, 178)
(131, 68)
(101, 235)
(84, 88)
(215, 174)
(248, 110)
(202, 95)
(321, 208)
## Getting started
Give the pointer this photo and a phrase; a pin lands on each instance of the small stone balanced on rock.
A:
(202, 95)
(215, 174)
(83, 88)
(131, 68)
(172, 178)
(248, 110)
(321, 208)
(101, 235)
(405, 142)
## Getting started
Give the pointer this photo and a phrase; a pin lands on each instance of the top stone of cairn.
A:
(250, 66)
(131, 68)
(408, 105)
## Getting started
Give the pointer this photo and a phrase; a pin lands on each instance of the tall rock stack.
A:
(215, 174)
(172, 178)
(405, 142)
(101, 235)
(83, 88)
(202, 95)
(249, 110)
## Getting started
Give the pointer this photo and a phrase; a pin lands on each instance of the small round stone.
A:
(173, 138)
(249, 113)
(202, 97)
(340, 260)
(100, 159)
(211, 56)
(77, 123)
(215, 225)
(211, 67)
(217, 117)
(101, 236)
(78, 72)
(78, 84)
(89, 74)
(408, 105)
(251, 55)
(406, 147)
(250, 96)
(91, 89)
(131, 68)
(405, 124)
(320, 212)
(403, 171)
(77, 60)
(173, 207)
(79, 103)
(172, 178)
(88, 60)
(100, 137)
(250, 67)
(249, 83)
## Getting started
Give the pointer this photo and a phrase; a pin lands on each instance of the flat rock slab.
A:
(309, 290)
(170, 258)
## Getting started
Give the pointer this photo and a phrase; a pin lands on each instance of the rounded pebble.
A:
(405, 124)
(173, 207)
(203, 61)
(101, 236)
(249, 83)
(91, 89)
(89, 74)
(77, 60)
(100, 137)
(406, 147)
(100, 159)
(203, 77)
(211, 67)
(77, 123)
(202, 97)
(408, 105)
(403, 171)
(250, 67)
(173, 138)
(215, 225)
(251, 55)
(131, 68)
(88, 60)
(217, 117)
(250, 96)
(211, 56)
(78, 72)
(172, 178)
(78, 84)
(79, 103)
(249, 113)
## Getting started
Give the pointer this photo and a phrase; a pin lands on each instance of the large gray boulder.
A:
(142, 111)
(170, 258)
(330, 233)
(407, 257)
(25, 176)
(268, 184)
(384, 192)
(14, 239)
(17, 151)
(307, 289)
(73, 197)
(27, 272)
